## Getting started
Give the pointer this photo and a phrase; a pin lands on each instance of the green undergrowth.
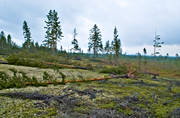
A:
(115, 70)
(18, 76)
(155, 97)
(157, 101)
(23, 108)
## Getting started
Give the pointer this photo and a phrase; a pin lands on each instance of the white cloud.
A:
(122, 3)
(1, 21)
(136, 20)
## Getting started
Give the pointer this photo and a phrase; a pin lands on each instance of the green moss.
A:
(160, 110)
(107, 106)
(82, 109)
(151, 98)
(23, 108)
(51, 112)
(126, 111)
(176, 89)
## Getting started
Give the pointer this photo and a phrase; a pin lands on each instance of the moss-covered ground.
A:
(139, 97)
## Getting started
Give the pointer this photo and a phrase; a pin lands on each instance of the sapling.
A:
(46, 76)
(145, 60)
(34, 79)
(63, 77)
(139, 61)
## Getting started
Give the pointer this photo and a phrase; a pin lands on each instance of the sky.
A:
(136, 21)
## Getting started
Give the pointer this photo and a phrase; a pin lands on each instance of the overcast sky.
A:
(136, 20)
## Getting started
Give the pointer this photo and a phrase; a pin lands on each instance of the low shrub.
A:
(115, 70)
(18, 79)
(15, 60)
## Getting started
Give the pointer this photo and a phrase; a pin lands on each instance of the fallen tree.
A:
(85, 80)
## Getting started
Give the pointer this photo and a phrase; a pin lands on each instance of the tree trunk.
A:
(53, 47)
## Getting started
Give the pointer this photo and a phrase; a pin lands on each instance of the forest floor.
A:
(140, 97)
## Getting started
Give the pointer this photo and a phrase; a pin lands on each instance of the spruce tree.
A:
(116, 43)
(144, 51)
(95, 42)
(75, 41)
(37, 45)
(27, 36)
(53, 30)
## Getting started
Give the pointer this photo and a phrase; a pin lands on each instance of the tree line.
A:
(54, 34)
(6, 43)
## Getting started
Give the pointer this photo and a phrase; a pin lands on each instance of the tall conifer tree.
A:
(116, 43)
(53, 30)
(95, 40)
(27, 36)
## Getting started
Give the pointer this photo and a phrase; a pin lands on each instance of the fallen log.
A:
(74, 81)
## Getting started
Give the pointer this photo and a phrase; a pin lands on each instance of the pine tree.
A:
(53, 30)
(75, 41)
(116, 43)
(27, 36)
(95, 38)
